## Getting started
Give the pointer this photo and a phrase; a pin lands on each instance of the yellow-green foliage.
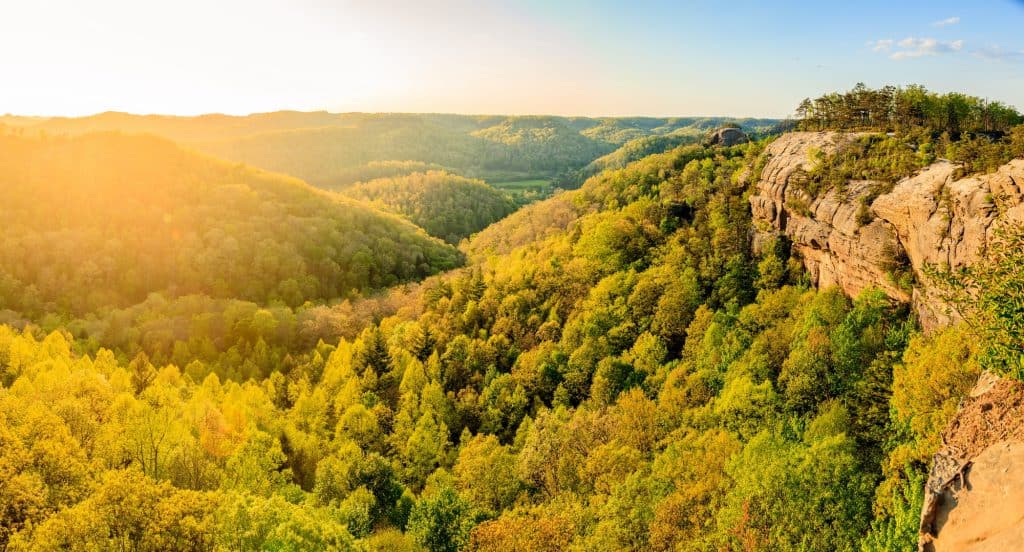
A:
(447, 206)
(624, 375)
(104, 220)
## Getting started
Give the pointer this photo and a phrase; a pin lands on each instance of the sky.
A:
(563, 57)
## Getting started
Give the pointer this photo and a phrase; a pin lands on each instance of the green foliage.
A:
(876, 157)
(441, 523)
(786, 498)
(615, 370)
(136, 215)
(990, 294)
(893, 108)
(447, 206)
(524, 192)
(382, 169)
(906, 129)
(901, 529)
(334, 150)
(486, 474)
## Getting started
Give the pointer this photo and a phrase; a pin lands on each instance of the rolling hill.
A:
(332, 150)
(447, 206)
(106, 219)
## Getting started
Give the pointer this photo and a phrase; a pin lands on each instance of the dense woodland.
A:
(447, 206)
(894, 108)
(902, 130)
(106, 219)
(612, 369)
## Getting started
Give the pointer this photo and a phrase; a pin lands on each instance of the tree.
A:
(785, 496)
(425, 449)
(442, 522)
(256, 466)
(990, 295)
(486, 474)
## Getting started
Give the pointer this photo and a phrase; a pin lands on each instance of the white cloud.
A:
(883, 45)
(996, 53)
(912, 47)
(946, 22)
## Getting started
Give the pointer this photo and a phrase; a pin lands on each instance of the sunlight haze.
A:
(581, 58)
(511, 275)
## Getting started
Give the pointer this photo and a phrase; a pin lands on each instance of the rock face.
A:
(727, 137)
(974, 497)
(825, 232)
(929, 218)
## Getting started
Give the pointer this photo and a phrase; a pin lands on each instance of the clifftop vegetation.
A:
(906, 129)
(894, 108)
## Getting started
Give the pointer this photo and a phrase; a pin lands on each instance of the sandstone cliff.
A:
(974, 497)
(931, 217)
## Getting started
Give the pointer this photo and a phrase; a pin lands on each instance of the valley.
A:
(318, 331)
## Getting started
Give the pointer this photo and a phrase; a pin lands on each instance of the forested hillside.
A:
(334, 150)
(447, 206)
(615, 368)
(106, 219)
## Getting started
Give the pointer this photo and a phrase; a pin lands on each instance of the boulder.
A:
(727, 136)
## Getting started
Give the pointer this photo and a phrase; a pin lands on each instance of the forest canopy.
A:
(334, 150)
(899, 108)
(104, 220)
(447, 206)
(195, 358)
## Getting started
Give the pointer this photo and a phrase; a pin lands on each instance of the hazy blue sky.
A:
(562, 57)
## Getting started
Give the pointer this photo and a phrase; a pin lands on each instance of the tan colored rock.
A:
(835, 248)
(931, 218)
(974, 497)
(949, 222)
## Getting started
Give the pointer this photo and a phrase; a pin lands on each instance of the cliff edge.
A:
(930, 218)
(974, 496)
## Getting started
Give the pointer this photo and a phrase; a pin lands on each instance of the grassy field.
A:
(537, 184)
(525, 191)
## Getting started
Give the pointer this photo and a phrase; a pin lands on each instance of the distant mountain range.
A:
(333, 150)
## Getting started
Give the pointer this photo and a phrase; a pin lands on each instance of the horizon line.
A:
(329, 112)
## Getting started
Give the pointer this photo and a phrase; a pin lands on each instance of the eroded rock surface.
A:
(945, 221)
(931, 217)
(727, 136)
(825, 231)
(974, 497)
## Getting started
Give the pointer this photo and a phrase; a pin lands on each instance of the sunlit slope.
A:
(199, 128)
(104, 219)
(555, 215)
(448, 206)
(334, 150)
(335, 156)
